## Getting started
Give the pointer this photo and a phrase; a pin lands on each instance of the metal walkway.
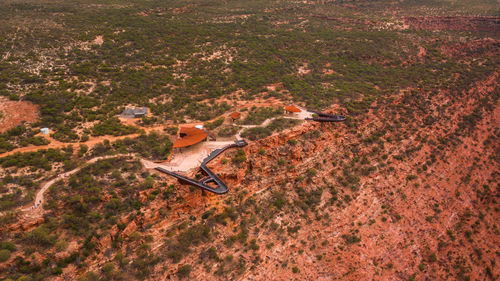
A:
(326, 117)
(211, 177)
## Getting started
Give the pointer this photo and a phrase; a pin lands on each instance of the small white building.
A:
(45, 131)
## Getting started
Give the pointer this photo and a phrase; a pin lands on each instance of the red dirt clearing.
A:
(13, 113)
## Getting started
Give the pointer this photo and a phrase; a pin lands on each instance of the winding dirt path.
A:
(297, 116)
(183, 161)
(37, 208)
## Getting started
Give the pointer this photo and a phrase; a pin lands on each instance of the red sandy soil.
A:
(15, 112)
(412, 222)
(388, 211)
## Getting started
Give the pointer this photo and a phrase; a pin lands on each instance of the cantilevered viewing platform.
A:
(211, 177)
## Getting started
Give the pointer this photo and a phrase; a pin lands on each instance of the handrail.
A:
(211, 177)
(326, 117)
(338, 118)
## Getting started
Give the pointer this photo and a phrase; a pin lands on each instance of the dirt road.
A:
(91, 142)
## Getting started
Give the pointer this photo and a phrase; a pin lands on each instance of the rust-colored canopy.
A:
(191, 135)
(291, 108)
(235, 115)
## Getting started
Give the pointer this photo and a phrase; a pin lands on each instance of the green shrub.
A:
(280, 124)
(41, 236)
(184, 271)
(83, 149)
(151, 146)
(256, 133)
(351, 238)
(61, 245)
(214, 124)
(112, 126)
(311, 172)
(432, 257)
(8, 245)
(89, 276)
(240, 157)
(4, 255)
(227, 131)
(275, 125)
(258, 115)
(191, 236)
(108, 269)
(172, 130)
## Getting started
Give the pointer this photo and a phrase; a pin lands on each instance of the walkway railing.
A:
(211, 177)
(326, 117)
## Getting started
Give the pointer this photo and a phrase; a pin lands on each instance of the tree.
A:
(184, 271)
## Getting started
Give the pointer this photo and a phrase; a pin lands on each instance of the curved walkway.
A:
(37, 207)
(211, 177)
(327, 117)
(188, 158)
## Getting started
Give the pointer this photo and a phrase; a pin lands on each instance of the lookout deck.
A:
(221, 187)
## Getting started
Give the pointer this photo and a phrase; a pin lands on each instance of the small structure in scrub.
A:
(137, 112)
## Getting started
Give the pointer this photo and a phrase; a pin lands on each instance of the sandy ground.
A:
(300, 115)
(188, 158)
(13, 113)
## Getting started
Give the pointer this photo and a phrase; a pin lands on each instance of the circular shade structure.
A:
(190, 136)
(291, 108)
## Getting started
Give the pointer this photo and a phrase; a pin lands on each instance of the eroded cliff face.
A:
(407, 191)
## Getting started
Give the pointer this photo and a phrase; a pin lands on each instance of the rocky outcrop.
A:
(129, 229)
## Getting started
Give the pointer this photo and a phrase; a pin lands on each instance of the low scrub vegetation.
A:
(276, 125)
